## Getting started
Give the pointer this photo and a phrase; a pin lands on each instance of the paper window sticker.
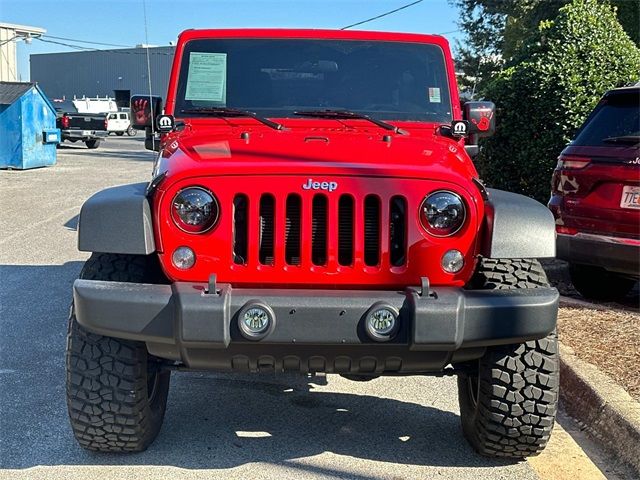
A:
(434, 95)
(207, 77)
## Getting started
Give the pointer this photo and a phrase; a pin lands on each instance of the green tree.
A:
(564, 70)
(497, 30)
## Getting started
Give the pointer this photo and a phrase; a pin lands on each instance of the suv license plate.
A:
(630, 197)
(86, 133)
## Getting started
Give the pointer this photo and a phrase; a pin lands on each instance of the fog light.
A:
(382, 322)
(452, 261)
(183, 258)
(255, 320)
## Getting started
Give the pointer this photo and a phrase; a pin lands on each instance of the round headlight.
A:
(194, 210)
(442, 213)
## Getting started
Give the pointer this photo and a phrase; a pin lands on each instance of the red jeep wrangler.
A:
(313, 208)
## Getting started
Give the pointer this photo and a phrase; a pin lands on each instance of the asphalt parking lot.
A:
(216, 426)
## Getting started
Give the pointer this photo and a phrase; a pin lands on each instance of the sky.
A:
(122, 21)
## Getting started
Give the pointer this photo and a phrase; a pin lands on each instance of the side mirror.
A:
(143, 109)
(481, 118)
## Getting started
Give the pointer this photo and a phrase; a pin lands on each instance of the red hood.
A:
(315, 151)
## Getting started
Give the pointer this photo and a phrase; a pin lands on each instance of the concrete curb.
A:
(601, 407)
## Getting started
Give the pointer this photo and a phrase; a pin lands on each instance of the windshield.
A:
(275, 78)
(616, 120)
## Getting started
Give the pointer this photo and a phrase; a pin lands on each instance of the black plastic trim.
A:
(117, 220)
(517, 227)
(179, 321)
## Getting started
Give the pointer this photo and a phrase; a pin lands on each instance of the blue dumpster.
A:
(28, 133)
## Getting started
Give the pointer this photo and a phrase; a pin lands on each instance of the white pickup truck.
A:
(120, 123)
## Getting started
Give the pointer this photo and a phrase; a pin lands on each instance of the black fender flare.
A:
(117, 220)
(517, 226)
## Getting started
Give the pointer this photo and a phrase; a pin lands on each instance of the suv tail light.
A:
(566, 230)
(106, 122)
(65, 121)
(572, 162)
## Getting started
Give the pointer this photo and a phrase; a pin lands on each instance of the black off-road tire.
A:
(596, 283)
(91, 144)
(509, 399)
(116, 391)
(132, 132)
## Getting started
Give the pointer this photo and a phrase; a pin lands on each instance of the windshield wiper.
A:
(233, 112)
(624, 139)
(346, 114)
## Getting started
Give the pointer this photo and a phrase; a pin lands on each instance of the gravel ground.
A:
(608, 338)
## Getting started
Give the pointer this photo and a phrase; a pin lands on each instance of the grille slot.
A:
(345, 230)
(319, 230)
(292, 230)
(240, 205)
(371, 230)
(267, 211)
(398, 231)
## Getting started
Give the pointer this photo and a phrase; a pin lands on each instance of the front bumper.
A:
(315, 330)
(616, 254)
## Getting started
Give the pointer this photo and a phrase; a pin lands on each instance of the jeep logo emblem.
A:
(328, 186)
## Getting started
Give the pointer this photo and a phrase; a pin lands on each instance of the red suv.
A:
(595, 198)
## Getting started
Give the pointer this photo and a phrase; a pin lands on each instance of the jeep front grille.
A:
(333, 228)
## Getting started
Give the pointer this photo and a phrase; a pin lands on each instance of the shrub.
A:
(544, 97)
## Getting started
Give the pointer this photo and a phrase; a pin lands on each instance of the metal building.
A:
(117, 73)
(10, 34)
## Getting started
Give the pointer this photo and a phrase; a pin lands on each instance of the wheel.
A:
(509, 398)
(116, 392)
(119, 134)
(132, 132)
(92, 143)
(596, 283)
